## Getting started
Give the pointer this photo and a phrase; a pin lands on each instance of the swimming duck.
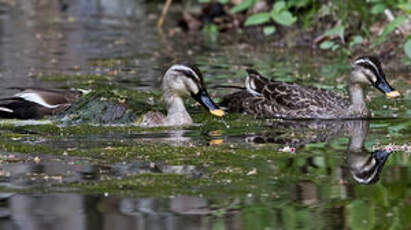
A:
(181, 80)
(35, 103)
(268, 98)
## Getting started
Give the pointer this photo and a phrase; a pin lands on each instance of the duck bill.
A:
(205, 100)
(385, 88)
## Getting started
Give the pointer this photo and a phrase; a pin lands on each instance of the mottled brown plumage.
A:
(266, 98)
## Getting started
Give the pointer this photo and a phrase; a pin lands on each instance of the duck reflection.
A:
(364, 166)
(75, 211)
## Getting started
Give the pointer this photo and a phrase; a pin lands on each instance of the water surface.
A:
(232, 173)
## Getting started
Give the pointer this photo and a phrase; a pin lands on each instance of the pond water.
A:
(237, 172)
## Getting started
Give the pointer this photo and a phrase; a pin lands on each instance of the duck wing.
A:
(290, 99)
(263, 96)
(33, 103)
(49, 98)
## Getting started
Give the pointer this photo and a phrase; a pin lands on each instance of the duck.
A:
(275, 99)
(35, 103)
(179, 81)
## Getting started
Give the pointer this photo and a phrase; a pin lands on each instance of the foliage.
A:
(354, 16)
(389, 28)
(407, 47)
(278, 14)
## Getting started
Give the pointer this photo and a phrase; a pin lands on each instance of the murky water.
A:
(231, 173)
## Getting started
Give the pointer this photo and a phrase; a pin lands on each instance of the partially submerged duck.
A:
(180, 81)
(268, 98)
(35, 103)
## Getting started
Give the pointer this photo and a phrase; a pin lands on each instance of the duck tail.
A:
(17, 108)
(6, 111)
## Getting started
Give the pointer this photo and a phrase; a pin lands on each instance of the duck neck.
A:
(176, 111)
(358, 106)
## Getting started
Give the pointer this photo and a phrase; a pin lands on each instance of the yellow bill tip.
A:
(393, 94)
(217, 112)
(216, 142)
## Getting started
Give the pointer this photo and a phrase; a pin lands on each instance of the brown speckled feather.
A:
(267, 98)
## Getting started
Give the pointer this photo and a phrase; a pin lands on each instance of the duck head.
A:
(182, 80)
(366, 168)
(367, 70)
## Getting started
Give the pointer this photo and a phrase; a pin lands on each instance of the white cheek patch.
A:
(193, 87)
(250, 85)
(7, 110)
(368, 76)
(33, 97)
(177, 86)
(373, 78)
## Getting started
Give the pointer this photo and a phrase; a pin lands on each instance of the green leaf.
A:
(389, 28)
(245, 4)
(268, 30)
(338, 30)
(223, 1)
(406, 7)
(327, 45)
(334, 47)
(298, 3)
(378, 8)
(204, 1)
(407, 48)
(281, 15)
(258, 18)
(284, 18)
(279, 6)
(356, 40)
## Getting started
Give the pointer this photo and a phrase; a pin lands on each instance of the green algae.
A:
(101, 107)
(109, 62)
(76, 80)
(227, 166)
(264, 188)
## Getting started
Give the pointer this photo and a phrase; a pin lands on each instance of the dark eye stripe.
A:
(370, 67)
(372, 63)
(196, 70)
(190, 75)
